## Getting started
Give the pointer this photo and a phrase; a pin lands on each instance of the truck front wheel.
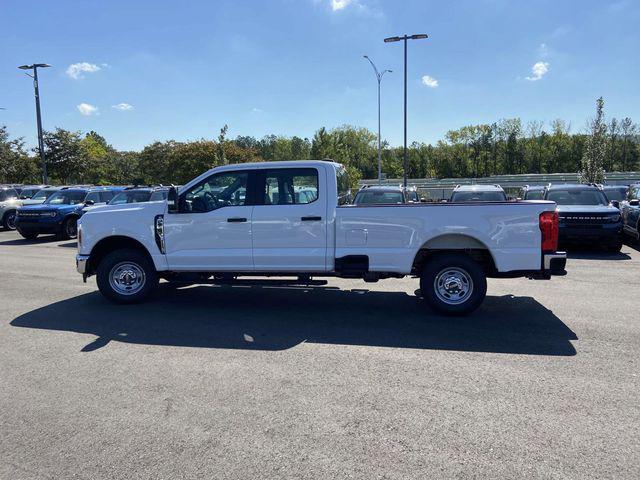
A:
(126, 276)
(453, 284)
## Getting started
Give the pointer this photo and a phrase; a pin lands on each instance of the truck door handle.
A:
(236, 220)
(311, 219)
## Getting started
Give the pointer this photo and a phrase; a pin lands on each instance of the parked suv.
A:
(615, 193)
(478, 193)
(585, 215)
(139, 194)
(533, 192)
(380, 195)
(630, 209)
(59, 213)
(8, 204)
(28, 191)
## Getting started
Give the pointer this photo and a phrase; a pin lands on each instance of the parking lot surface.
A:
(351, 380)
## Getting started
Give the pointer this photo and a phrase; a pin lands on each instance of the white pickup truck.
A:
(293, 219)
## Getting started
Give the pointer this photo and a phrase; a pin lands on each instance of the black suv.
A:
(586, 217)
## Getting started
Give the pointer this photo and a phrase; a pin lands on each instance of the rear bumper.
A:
(554, 263)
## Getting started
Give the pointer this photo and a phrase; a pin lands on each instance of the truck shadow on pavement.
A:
(593, 254)
(278, 318)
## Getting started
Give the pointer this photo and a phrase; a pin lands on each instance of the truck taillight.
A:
(549, 228)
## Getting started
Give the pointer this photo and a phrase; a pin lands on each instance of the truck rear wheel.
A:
(453, 284)
(126, 276)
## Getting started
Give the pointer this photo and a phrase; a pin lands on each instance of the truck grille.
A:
(587, 220)
(27, 214)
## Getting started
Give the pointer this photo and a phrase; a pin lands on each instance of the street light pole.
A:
(404, 38)
(379, 78)
(34, 67)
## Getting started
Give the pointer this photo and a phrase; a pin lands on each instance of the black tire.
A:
(69, 229)
(467, 284)
(28, 235)
(9, 220)
(126, 265)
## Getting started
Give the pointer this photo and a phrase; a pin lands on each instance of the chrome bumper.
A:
(81, 263)
(555, 263)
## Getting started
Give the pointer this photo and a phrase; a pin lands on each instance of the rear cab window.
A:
(290, 186)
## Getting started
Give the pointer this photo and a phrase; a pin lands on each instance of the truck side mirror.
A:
(172, 200)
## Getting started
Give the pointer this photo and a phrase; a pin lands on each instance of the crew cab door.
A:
(212, 229)
(290, 220)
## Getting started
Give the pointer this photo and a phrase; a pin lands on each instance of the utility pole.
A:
(397, 39)
(379, 78)
(34, 67)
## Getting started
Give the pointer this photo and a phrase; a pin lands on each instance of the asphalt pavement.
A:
(349, 380)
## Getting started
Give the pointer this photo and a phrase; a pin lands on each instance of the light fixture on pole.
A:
(379, 76)
(404, 38)
(34, 67)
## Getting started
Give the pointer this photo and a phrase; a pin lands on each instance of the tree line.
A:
(507, 146)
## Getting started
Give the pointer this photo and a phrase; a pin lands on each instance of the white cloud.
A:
(76, 70)
(87, 109)
(538, 70)
(429, 81)
(257, 110)
(340, 4)
(123, 106)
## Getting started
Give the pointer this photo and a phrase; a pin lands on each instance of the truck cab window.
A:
(344, 190)
(291, 186)
(219, 190)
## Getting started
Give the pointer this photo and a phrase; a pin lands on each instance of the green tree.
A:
(595, 148)
(65, 156)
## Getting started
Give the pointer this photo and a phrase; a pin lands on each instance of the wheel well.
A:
(480, 255)
(110, 244)
(7, 213)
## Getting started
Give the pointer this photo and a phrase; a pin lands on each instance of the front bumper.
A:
(590, 234)
(42, 226)
(81, 263)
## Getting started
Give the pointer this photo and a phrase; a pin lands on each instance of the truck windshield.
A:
(67, 197)
(377, 198)
(478, 197)
(577, 196)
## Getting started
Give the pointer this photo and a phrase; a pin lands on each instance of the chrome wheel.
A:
(127, 278)
(71, 228)
(453, 286)
(10, 221)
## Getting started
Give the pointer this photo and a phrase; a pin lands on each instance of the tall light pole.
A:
(397, 39)
(34, 67)
(379, 76)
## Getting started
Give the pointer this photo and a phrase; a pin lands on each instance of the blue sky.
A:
(140, 70)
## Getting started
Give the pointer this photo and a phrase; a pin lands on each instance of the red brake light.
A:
(549, 228)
